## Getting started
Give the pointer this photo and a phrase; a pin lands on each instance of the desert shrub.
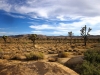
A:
(91, 65)
(77, 53)
(88, 68)
(63, 54)
(17, 57)
(1, 54)
(6, 56)
(73, 46)
(51, 52)
(92, 56)
(14, 58)
(52, 59)
(34, 56)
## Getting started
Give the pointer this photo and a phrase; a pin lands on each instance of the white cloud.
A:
(75, 27)
(3, 32)
(54, 33)
(55, 8)
(96, 32)
(12, 33)
(37, 32)
(16, 16)
(5, 6)
(6, 33)
(87, 11)
(41, 27)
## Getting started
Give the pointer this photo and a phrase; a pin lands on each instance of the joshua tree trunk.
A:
(34, 43)
(85, 40)
(33, 38)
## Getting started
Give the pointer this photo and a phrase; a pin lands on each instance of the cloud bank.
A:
(65, 12)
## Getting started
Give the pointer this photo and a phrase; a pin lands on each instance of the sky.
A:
(49, 17)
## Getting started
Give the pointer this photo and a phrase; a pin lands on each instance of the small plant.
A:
(15, 57)
(1, 54)
(52, 59)
(34, 56)
(63, 54)
(73, 46)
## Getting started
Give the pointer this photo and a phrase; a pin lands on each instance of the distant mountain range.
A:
(44, 36)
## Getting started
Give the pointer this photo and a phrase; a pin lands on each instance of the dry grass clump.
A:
(63, 54)
(1, 54)
(6, 57)
(17, 57)
(72, 46)
(51, 52)
(34, 56)
(78, 53)
(52, 59)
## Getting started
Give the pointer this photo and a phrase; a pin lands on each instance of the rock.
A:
(34, 68)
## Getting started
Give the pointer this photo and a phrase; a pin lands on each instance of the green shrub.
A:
(92, 56)
(34, 56)
(91, 65)
(88, 69)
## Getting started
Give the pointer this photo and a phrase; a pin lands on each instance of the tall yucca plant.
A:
(70, 34)
(5, 39)
(33, 37)
(85, 33)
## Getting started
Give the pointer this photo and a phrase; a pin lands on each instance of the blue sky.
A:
(49, 17)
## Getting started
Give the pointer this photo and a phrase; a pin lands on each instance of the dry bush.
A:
(63, 54)
(73, 46)
(78, 53)
(6, 57)
(17, 57)
(1, 54)
(52, 59)
(52, 52)
(34, 56)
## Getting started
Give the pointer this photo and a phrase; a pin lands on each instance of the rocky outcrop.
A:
(34, 68)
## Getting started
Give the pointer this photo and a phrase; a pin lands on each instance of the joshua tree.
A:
(33, 37)
(5, 39)
(70, 34)
(85, 33)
